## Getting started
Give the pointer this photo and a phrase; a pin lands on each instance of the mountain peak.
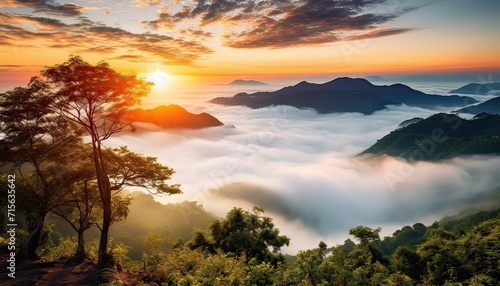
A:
(173, 116)
(246, 82)
(338, 96)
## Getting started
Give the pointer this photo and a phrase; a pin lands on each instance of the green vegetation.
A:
(236, 250)
(441, 136)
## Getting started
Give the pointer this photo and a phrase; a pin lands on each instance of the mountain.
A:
(423, 78)
(479, 88)
(441, 136)
(410, 121)
(173, 116)
(246, 82)
(491, 106)
(343, 95)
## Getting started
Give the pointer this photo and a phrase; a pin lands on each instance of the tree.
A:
(83, 196)
(407, 262)
(35, 143)
(439, 258)
(248, 234)
(97, 98)
(125, 168)
(365, 234)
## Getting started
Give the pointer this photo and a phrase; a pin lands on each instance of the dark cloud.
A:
(196, 33)
(93, 37)
(50, 7)
(287, 23)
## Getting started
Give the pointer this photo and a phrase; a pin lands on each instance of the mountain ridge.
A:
(479, 88)
(337, 96)
(491, 106)
(246, 82)
(173, 117)
(441, 136)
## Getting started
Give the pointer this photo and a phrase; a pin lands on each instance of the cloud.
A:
(301, 167)
(379, 34)
(87, 36)
(286, 23)
(49, 7)
(147, 3)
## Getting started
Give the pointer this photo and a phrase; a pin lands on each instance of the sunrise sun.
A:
(159, 78)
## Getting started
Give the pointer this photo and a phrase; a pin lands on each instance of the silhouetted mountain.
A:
(424, 78)
(441, 136)
(479, 88)
(174, 116)
(343, 95)
(246, 82)
(491, 106)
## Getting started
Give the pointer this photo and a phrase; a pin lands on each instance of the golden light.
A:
(159, 78)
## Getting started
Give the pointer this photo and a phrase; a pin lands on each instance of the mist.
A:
(302, 168)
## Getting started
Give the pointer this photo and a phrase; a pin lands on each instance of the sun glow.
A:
(159, 78)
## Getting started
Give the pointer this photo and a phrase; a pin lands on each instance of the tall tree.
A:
(125, 168)
(97, 98)
(35, 143)
(247, 233)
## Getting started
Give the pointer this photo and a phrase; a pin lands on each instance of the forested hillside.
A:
(244, 249)
(442, 136)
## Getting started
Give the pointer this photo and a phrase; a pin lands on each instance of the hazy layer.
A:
(300, 167)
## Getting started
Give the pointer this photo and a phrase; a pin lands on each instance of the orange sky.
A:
(214, 42)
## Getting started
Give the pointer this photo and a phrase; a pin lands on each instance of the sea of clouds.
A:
(302, 168)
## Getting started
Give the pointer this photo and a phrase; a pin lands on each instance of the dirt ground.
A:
(61, 272)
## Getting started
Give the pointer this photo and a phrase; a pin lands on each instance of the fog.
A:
(301, 167)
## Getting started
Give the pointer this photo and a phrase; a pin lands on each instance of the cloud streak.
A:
(287, 23)
(93, 37)
(48, 7)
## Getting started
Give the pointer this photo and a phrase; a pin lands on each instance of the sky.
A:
(220, 40)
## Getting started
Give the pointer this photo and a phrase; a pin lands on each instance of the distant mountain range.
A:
(491, 106)
(442, 136)
(492, 88)
(344, 95)
(246, 82)
(422, 78)
(173, 116)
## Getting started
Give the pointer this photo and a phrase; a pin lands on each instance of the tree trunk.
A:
(105, 192)
(80, 250)
(106, 222)
(33, 240)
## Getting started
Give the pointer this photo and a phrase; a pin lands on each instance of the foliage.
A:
(409, 237)
(461, 225)
(37, 144)
(64, 249)
(441, 136)
(443, 258)
(243, 233)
